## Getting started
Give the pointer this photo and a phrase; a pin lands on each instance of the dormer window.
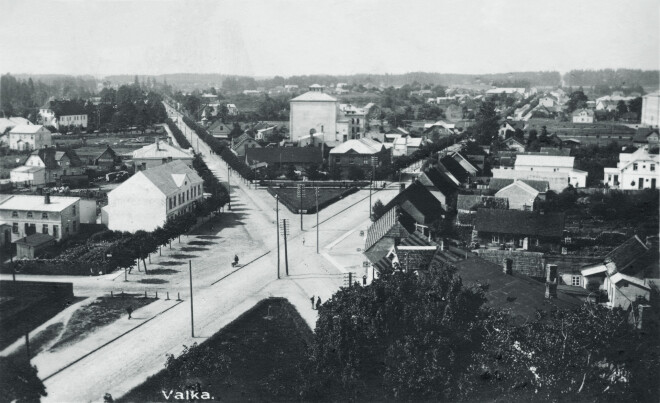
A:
(29, 214)
(14, 213)
(44, 215)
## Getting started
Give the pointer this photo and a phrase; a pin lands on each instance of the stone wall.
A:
(529, 263)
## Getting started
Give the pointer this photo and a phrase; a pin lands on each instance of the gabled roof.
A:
(519, 186)
(314, 96)
(500, 183)
(51, 157)
(474, 202)
(626, 253)
(285, 155)
(35, 239)
(360, 146)
(511, 141)
(161, 150)
(455, 168)
(643, 133)
(520, 294)
(240, 140)
(439, 180)
(27, 129)
(619, 277)
(520, 222)
(417, 195)
(389, 224)
(578, 112)
(169, 177)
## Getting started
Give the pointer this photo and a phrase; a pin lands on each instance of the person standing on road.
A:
(129, 309)
(303, 241)
(318, 303)
(312, 299)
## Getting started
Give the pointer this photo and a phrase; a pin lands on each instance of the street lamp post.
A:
(277, 224)
(316, 192)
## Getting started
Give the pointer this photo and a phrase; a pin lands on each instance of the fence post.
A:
(168, 296)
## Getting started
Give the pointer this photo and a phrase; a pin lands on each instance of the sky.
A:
(295, 37)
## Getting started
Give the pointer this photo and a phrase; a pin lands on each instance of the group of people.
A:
(318, 302)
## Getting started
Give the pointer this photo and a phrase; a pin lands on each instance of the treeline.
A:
(128, 106)
(24, 97)
(612, 77)
(220, 148)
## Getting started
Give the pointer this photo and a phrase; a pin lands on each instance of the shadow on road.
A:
(171, 263)
(164, 271)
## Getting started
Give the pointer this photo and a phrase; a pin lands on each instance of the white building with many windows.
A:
(149, 198)
(556, 164)
(57, 216)
(29, 137)
(638, 170)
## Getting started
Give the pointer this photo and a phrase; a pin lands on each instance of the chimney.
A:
(508, 266)
(47, 198)
(551, 281)
(402, 187)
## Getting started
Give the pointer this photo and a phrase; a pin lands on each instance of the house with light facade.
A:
(159, 153)
(651, 109)
(56, 163)
(583, 116)
(29, 137)
(637, 170)
(313, 111)
(520, 196)
(149, 198)
(559, 164)
(57, 216)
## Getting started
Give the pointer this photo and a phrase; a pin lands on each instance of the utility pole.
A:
(301, 194)
(192, 320)
(286, 256)
(316, 192)
(277, 224)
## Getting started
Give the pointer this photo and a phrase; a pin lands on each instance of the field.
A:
(256, 358)
(288, 197)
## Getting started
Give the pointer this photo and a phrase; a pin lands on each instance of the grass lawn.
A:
(255, 358)
(39, 341)
(288, 197)
(101, 312)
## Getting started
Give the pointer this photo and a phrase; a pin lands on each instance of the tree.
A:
(635, 106)
(355, 173)
(576, 100)
(486, 124)
(19, 381)
(236, 131)
(621, 108)
(404, 334)
(377, 210)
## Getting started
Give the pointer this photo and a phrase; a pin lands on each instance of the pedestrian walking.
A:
(130, 311)
(312, 299)
(318, 303)
(303, 241)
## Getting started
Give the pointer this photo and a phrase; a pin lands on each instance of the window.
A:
(365, 161)
(337, 160)
(44, 229)
(170, 201)
(56, 232)
(74, 210)
(188, 194)
(14, 213)
(14, 228)
(29, 214)
(351, 160)
(634, 166)
(652, 167)
(575, 280)
(44, 215)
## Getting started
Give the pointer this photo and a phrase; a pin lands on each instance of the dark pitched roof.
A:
(520, 222)
(50, 156)
(433, 177)
(500, 183)
(390, 224)
(417, 195)
(474, 202)
(285, 155)
(522, 295)
(455, 168)
(417, 259)
(642, 133)
(626, 253)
